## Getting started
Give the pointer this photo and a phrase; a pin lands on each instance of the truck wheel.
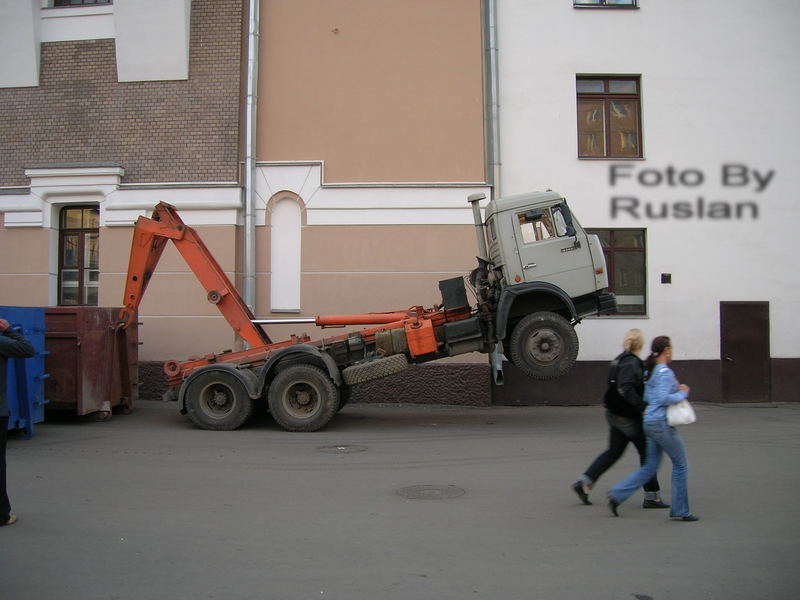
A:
(303, 398)
(218, 401)
(544, 345)
(375, 369)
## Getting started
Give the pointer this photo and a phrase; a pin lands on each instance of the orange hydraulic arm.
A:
(418, 323)
(150, 236)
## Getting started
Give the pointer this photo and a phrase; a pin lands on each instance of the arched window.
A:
(286, 222)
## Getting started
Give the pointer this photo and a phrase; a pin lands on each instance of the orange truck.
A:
(539, 273)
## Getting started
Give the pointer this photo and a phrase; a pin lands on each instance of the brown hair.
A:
(658, 345)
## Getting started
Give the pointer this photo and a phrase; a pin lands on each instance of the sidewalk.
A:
(147, 507)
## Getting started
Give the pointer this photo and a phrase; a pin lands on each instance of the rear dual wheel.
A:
(302, 397)
(217, 400)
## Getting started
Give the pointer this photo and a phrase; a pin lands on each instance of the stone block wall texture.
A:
(469, 384)
(158, 131)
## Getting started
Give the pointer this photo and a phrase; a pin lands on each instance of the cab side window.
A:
(541, 224)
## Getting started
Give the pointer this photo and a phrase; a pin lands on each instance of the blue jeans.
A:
(661, 438)
(621, 430)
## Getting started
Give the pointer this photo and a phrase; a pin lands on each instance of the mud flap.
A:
(496, 364)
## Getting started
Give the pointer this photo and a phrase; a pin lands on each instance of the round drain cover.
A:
(342, 449)
(431, 492)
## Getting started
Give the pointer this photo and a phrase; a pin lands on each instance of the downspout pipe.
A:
(249, 192)
(492, 85)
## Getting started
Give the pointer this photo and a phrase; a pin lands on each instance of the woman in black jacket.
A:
(624, 407)
(12, 345)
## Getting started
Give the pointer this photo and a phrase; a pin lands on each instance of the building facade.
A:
(110, 108)
(670, 127)
(373, 123)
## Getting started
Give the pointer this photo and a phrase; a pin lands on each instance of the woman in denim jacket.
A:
(624, 407)
(661, 390)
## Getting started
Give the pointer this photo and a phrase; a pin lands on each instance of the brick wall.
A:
(159, 131)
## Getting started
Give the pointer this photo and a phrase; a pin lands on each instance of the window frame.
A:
(81, 233)
(75, 3)
(606, 97)
(610, 254)
(632, 4)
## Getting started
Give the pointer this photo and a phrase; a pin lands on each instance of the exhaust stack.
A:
(475, 201)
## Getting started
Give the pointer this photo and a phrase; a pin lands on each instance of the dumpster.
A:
(93, 367)
(25, 376)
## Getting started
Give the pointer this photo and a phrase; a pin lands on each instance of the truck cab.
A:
(534, 238)
(540, 273)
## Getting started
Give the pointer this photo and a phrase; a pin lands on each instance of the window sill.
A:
(618, 317)
(606, 6)
(614, 158)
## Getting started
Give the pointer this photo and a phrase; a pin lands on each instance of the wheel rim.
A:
(544, 346)
(302, 399)
(217, 400)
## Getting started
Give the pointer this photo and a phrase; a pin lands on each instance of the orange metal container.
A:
(421, 337)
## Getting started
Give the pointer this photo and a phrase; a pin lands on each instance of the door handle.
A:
(729, 359)
(529, 266)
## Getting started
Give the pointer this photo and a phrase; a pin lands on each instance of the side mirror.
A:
(567, 216)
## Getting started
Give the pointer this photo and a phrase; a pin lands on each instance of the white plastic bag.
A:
(680, 413)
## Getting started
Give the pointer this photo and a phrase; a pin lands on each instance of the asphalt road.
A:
(147, 507)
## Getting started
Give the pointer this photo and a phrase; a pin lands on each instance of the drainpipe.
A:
(492, 97)
(249, 192)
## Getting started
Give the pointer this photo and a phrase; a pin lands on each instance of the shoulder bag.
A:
(680, 413)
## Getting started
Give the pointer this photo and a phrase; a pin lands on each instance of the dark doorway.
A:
(744, 331)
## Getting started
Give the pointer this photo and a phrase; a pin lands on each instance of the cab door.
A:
(553, 249)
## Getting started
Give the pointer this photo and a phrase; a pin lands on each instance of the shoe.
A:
(612, 505)
(11, 520)
(688, 518)
(654, 504)
(577, 487)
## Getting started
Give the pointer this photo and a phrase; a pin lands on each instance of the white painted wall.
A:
(19, 43)
(151, 36)
(720, 86)
(152, 39)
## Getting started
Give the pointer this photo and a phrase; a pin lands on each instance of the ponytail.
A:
(634, 341)
(659, 344)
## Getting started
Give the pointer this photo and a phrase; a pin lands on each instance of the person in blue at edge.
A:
(624, 407)
(661, 389)
(12, 345)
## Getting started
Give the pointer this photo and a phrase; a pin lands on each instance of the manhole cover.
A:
(431, 492)
(342, 449)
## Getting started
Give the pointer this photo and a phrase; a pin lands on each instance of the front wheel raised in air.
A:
(302, 397)
(544, 345)
(218, 400)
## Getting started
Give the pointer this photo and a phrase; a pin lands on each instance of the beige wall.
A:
(177, 320)
(345, 269)
(380, 268)
(381, 91)
(359, 269)
(25, 266)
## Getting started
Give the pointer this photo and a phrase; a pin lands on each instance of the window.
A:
(606, 3)
(285, 256)
(57, 3)
(609, 117)
(625, 253)
(79, 253)
(542, 224)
